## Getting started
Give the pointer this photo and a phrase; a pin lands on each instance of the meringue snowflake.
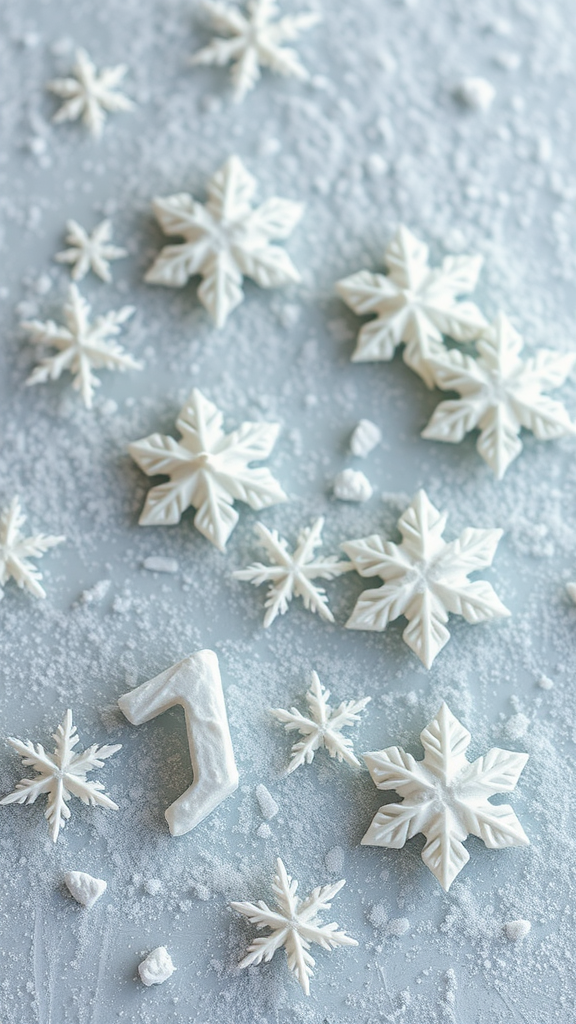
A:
(90, 252)
(291, 573)
(294, 925)
(61, 775)
(254, 41)
(424, 578)
(445, 797)
(499, 394)
(414, 304)
(16, 549)
(82, 346)
(88, 94)
(208, 470)
(322, 727)
(225, 240)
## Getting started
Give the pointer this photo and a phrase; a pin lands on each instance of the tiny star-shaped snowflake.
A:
(323, 727)
(82, 346)
(425, 578)
(16, 549)
(294, 925)
(414, 304)
(88, 94)
(445, 797)
(499, 394)
(90, 252)
(291, 574)
(225, 240)
(61, 775)
(208, 470)
(254, 41)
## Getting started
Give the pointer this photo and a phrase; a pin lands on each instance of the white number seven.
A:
(194, 683)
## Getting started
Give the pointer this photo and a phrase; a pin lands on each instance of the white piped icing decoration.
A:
(89, 94)
(208, 470)
(365, 436)
(157, 967)
(352, 485)
(476, 93)
(253, 41)
(16, 550)
(84, 888)
(414, 303)
(225, 240)
(90, 252)
(322, 727)
(293, 924)
(445, 797)
(425, 578)
(195, 684)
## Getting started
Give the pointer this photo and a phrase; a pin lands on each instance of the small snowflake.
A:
(225, 240)
(82, 346)
(323, 727)
(254, 42)
(445, 797)
(16, 549)
(414, 304)
(88, 94)
(294, 925)
(61, 775)
(424, 578)
(208, 470)
(90, 252)
(499, 394)
(291, 574)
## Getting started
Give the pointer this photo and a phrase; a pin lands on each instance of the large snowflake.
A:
(16, 549)
(294, 925)
(499, 394)
(322, 727)
(291, 574)
(414, 304)
(254, 41)
(90, 252)
(226, 239)
(445, 797)
(208, 470)
(61, 775)
(425, 578)
(89, 94)
(82, 346)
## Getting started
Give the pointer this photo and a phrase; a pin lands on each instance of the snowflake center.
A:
(203, 460)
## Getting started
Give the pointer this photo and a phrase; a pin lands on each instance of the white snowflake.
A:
(82, 346)
(16, 549)
(208, 470)
(294, 925)
(499, 394)
(424, 578)
(88, 94)
(414, 304)
(445, 797)
(322, 727)
(225, 240)
(90, 252)
(61, 775)
(291, 574)
(254, 41)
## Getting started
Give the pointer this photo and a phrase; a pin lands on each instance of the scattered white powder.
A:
(152, 886)
(378, 915)
(365, 436)
(264, 831)
(516, 930)
(516, 727)
(352, 485)
(96, 593)
(476, 93)
(398, 926)
(157, 967)
(334, 860)
(156, 563)
(268, 806)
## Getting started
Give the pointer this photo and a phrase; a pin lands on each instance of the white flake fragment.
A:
(96, 593)
(476, 93)
(84, 888)
(16, 549)
(89, 94)
(365, 436)
(157, 967)
(268, 806)
(157, 563)
(352, 485)
(545, 683)
(571, 590)
(516, 930)
(264, 831)
(90, 252)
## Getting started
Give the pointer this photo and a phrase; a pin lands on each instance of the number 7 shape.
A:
(194, 683)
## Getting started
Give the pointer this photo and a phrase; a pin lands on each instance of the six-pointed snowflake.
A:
(322, 727)
(90, 252)
(294, 925)
(61, 775)
(208, 470)
(424, 578)
(88, 94)
(16, 549)
(414, 304)
(499, 394)
(82, 346)
(225, 240)
(253, 42)
(445, 797)
(291, 574)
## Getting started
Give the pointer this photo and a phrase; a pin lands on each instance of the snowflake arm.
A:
(89, 95)
(16, 549)
(90, 252)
